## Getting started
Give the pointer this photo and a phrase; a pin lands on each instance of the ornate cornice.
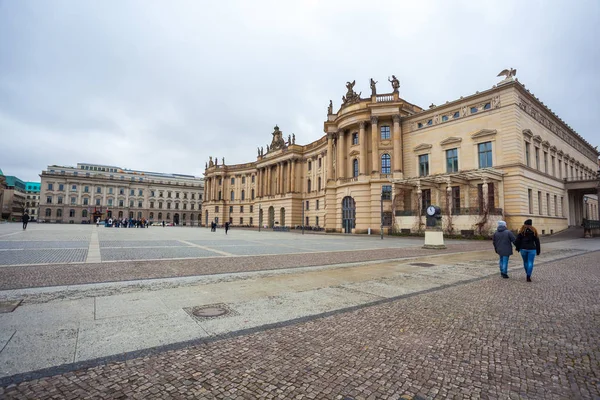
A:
(396, 118)
(483, 133)
(422, 146)
(451, 140)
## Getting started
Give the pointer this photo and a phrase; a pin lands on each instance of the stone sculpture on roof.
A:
(351, 96)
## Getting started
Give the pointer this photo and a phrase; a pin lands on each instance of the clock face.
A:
(431, 210)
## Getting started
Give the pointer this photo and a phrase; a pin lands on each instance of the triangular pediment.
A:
(451, 140)
(423, 146)
(483, 133)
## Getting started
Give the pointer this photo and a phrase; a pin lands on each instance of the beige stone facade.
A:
(79, 194)
(497, 154)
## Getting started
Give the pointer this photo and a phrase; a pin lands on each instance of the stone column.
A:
(293, 179)
(397, 141)
(280, 177)
(363, 149)
(340, 155)
(484, 193)
(374, 145)
(329, 156)
(289, 173)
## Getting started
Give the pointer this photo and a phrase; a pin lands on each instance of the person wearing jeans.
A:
(503, 240)
(528, 244)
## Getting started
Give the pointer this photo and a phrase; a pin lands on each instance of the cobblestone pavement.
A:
(492, 338)
(16, 277)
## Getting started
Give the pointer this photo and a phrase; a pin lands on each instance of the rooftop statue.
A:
(210, 161)
(508, 73)
(373, 88)
(351, 96)
(330, 108)
(395, 83)
(278, 142)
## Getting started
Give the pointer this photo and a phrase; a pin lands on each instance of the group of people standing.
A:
(527, 242)
(213, 227)
(124, 223)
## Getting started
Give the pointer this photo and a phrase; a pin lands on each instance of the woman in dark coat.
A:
(528, 244)
(503, 241)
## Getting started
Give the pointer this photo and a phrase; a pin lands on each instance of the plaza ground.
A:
(313, 316)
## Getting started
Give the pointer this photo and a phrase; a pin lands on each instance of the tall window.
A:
(555, 206)
(71, 213)
(232, 181)
(425, 198)
(232, 195)
(243, 195)
(485, 154)
(456, 199)
(243, 180)
(50, 186)
(537, 158)
(48, 212)
(84, 213)
(98, 189)
(252, 194)
(309, 186)
(386, 192)
(319, 183)
(355, 168)
(386, 165)
(424, 165)
(61, 187)
(309, 165)
(355, 138)
(553, 166)
(548, 203)
(48, 199)
(59, 213)
(85, 201)
(530, 200)
(527, 155)
(546, 162)
(540, 203)
(385, 132)
(317, 205)
(452, 160)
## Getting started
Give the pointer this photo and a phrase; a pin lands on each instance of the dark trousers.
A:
(24, 225)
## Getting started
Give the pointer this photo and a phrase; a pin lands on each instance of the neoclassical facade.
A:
(499, 153)
(89, 191)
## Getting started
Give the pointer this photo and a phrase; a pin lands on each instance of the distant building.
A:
(89, 191)
(33, 199)
(499, 153)
(13, 198)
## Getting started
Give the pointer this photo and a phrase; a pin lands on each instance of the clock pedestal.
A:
(434, 239)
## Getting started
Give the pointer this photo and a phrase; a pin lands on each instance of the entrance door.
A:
(348, 214)
(271, 216)
(282, 217)
(176, 219)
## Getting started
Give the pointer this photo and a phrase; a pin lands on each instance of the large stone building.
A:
(90, 191)
(13, 202)
(499, 153)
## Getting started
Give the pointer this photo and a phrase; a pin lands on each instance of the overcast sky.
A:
(161, 85)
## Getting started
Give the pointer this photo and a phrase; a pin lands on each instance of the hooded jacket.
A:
(503, 240)
(528, 240)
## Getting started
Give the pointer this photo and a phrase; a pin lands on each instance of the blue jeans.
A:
(528, 257)
(504, 264)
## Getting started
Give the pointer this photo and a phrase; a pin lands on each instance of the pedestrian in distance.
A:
(226, 227)
(528, 244)
(25, 220)
(503, 245)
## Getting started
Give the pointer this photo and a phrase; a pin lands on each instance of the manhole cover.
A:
(423, 265)
(208, 312)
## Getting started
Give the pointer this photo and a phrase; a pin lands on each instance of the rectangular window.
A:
(560, 169)
(539, 202)
(537, 158)
(452, 160)
(355, 138)
(176, 195)
(385, 132)
(425, 198)
(530, 200)
(232, 181)
(97, 202)
(386, 192)
(85, 201)
(140, 192)
(527, 155)
(50, 186)
(110, 190)
(424, 165)
(139, 204)
(184, 206)
(317, 205)
(485, 155)
(251, 220)
(553, 167)
(252, 181)
(309, 165)
(177, 206)
(73, 188)
(562, 207)
(241, 220)
(60, 200)
(230, 209)
(243, 180)
(241, 209)
(193, 196)
(61, 187)
(151, 204)
(48, 199)
(307, 203)
(73, 200)
(110, 202)
(132, 192)
(86, 189)
(192, 206)
(98, 189)
(456, 199)
(546, 162)
(121, 203)
(307, 221)
(251, 208)
(548, 203)
(131, 203)
(317, 221)
(555, 206)
(320, 162)
(216, 209)
(168, 206)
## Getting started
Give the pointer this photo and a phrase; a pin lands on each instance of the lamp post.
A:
(381, 216)
(259, 217)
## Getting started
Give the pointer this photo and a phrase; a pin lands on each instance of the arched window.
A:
(84, 214)
(386, 164)
(71, 213)
(159, 215)
(232, 195)
(151, 215)
(243, 195)
(168, 215)
(59, 213)
(48, 212)
(309, 186)
(355, 168)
